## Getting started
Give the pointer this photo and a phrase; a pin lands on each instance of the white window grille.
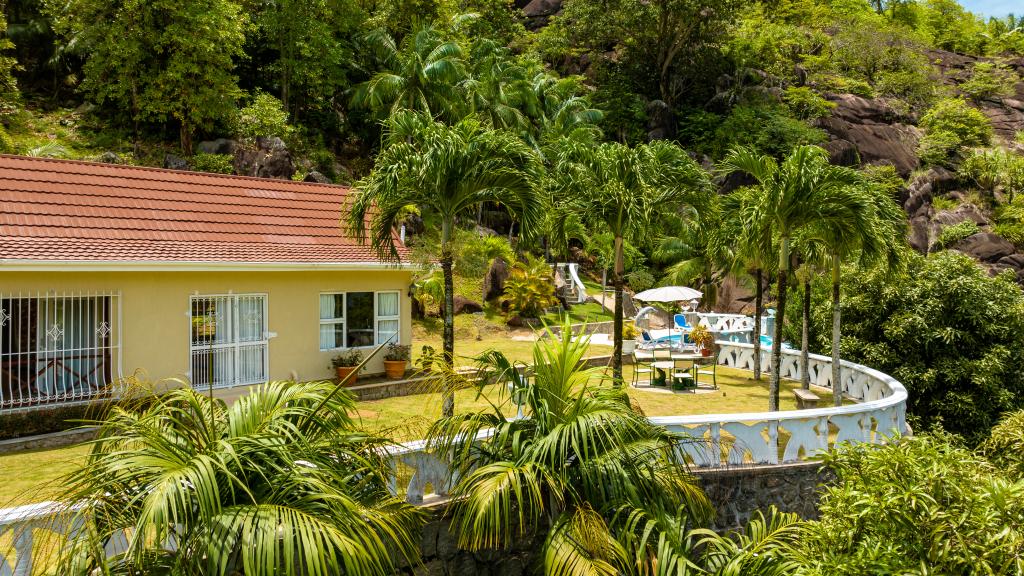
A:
(58, 347)
(358, 319)
(229, 340)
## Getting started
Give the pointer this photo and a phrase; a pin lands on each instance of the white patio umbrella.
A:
(669, 294)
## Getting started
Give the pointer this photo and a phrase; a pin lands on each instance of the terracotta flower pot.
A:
(706, 352)
(395, 369)
(344, 371)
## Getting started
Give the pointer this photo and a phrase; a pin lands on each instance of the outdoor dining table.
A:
(662, 367)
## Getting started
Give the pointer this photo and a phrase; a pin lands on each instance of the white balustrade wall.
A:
(707, 441)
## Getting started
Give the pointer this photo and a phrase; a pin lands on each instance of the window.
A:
(57, 347)
(229, 340)
(358, 319)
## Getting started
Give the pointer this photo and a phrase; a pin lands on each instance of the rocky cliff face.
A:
(872, 131)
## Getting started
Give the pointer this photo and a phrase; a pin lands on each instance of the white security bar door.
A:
(58, 347)
(228, 340)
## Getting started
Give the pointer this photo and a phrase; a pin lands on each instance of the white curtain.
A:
(332, 334)
(387, 317)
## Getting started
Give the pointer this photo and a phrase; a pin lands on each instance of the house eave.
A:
(15, 265)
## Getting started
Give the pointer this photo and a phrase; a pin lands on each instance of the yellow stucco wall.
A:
(155, 312)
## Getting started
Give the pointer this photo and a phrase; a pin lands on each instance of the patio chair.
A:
(710, 369)
(684, 375)
(680, 321)
(661, 355)
(642, 367)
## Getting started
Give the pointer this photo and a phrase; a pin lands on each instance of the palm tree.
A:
(624, 189)
(699, 252)
(421, 73)
(584, 465)
(497, 89)
(874, 233)
(447, 171)
(804, 189)
(754, 247)
(281, 482)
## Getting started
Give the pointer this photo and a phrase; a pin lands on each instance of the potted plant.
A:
(703, 339)
(629, 334)
(396, 356)
(426, 359)
(346, 363)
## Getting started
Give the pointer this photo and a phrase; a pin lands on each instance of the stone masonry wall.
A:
(736, 493)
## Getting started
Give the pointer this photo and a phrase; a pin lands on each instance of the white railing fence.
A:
(707, 441)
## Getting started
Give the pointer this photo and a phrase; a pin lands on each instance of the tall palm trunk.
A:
(780, 318)
(448, 338)
(805, 351)
(758, 311)
(837, 384)
(617, 324)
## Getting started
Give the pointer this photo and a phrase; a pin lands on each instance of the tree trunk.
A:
(617, 324)
(837, 384)
(780, 318)
(185, 135)
(448, 338)
(805, 348)
(758, 311)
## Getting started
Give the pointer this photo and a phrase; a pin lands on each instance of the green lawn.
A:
(32, 476)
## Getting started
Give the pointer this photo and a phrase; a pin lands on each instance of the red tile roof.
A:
(67, 211)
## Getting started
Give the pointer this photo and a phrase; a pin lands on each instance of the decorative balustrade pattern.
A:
(707, 441)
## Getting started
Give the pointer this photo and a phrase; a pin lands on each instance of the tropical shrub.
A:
(530, 288)
(953, 335)
(475, 253)
(640, 280)
(951, 235)
(216, 163)
(806, 104)
(955, 116)
(990, 80)
(281, 482)
(917, 505)
(610, 489)
(1005, 446)
(768, 129)
(265, 116)
(938, 148)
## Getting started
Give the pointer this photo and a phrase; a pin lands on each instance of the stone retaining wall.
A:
(737, 493)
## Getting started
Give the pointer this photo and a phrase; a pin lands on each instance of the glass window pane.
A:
(332, 306)
(332, 336)
(387, 304)
(359, 319)
(386, 329)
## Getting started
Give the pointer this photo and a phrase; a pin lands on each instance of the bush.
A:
(953, 335)
(957, 117)
(216, 163)
(938, 149)
(475, 253)
(990, 80)
(6, 144)
(46, 420)
(265, 116)
(1005, 446)
(640, 280)
(951, 235)
(530, 289)
(769, 129)
(806, 104)
(921, 505)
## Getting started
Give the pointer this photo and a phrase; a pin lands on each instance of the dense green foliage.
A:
(953, 335)
(1005, 447)
(610, 489)
(920, 505)
(225, 484)
(951, 235)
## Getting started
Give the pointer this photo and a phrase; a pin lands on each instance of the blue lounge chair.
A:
(680, 320)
